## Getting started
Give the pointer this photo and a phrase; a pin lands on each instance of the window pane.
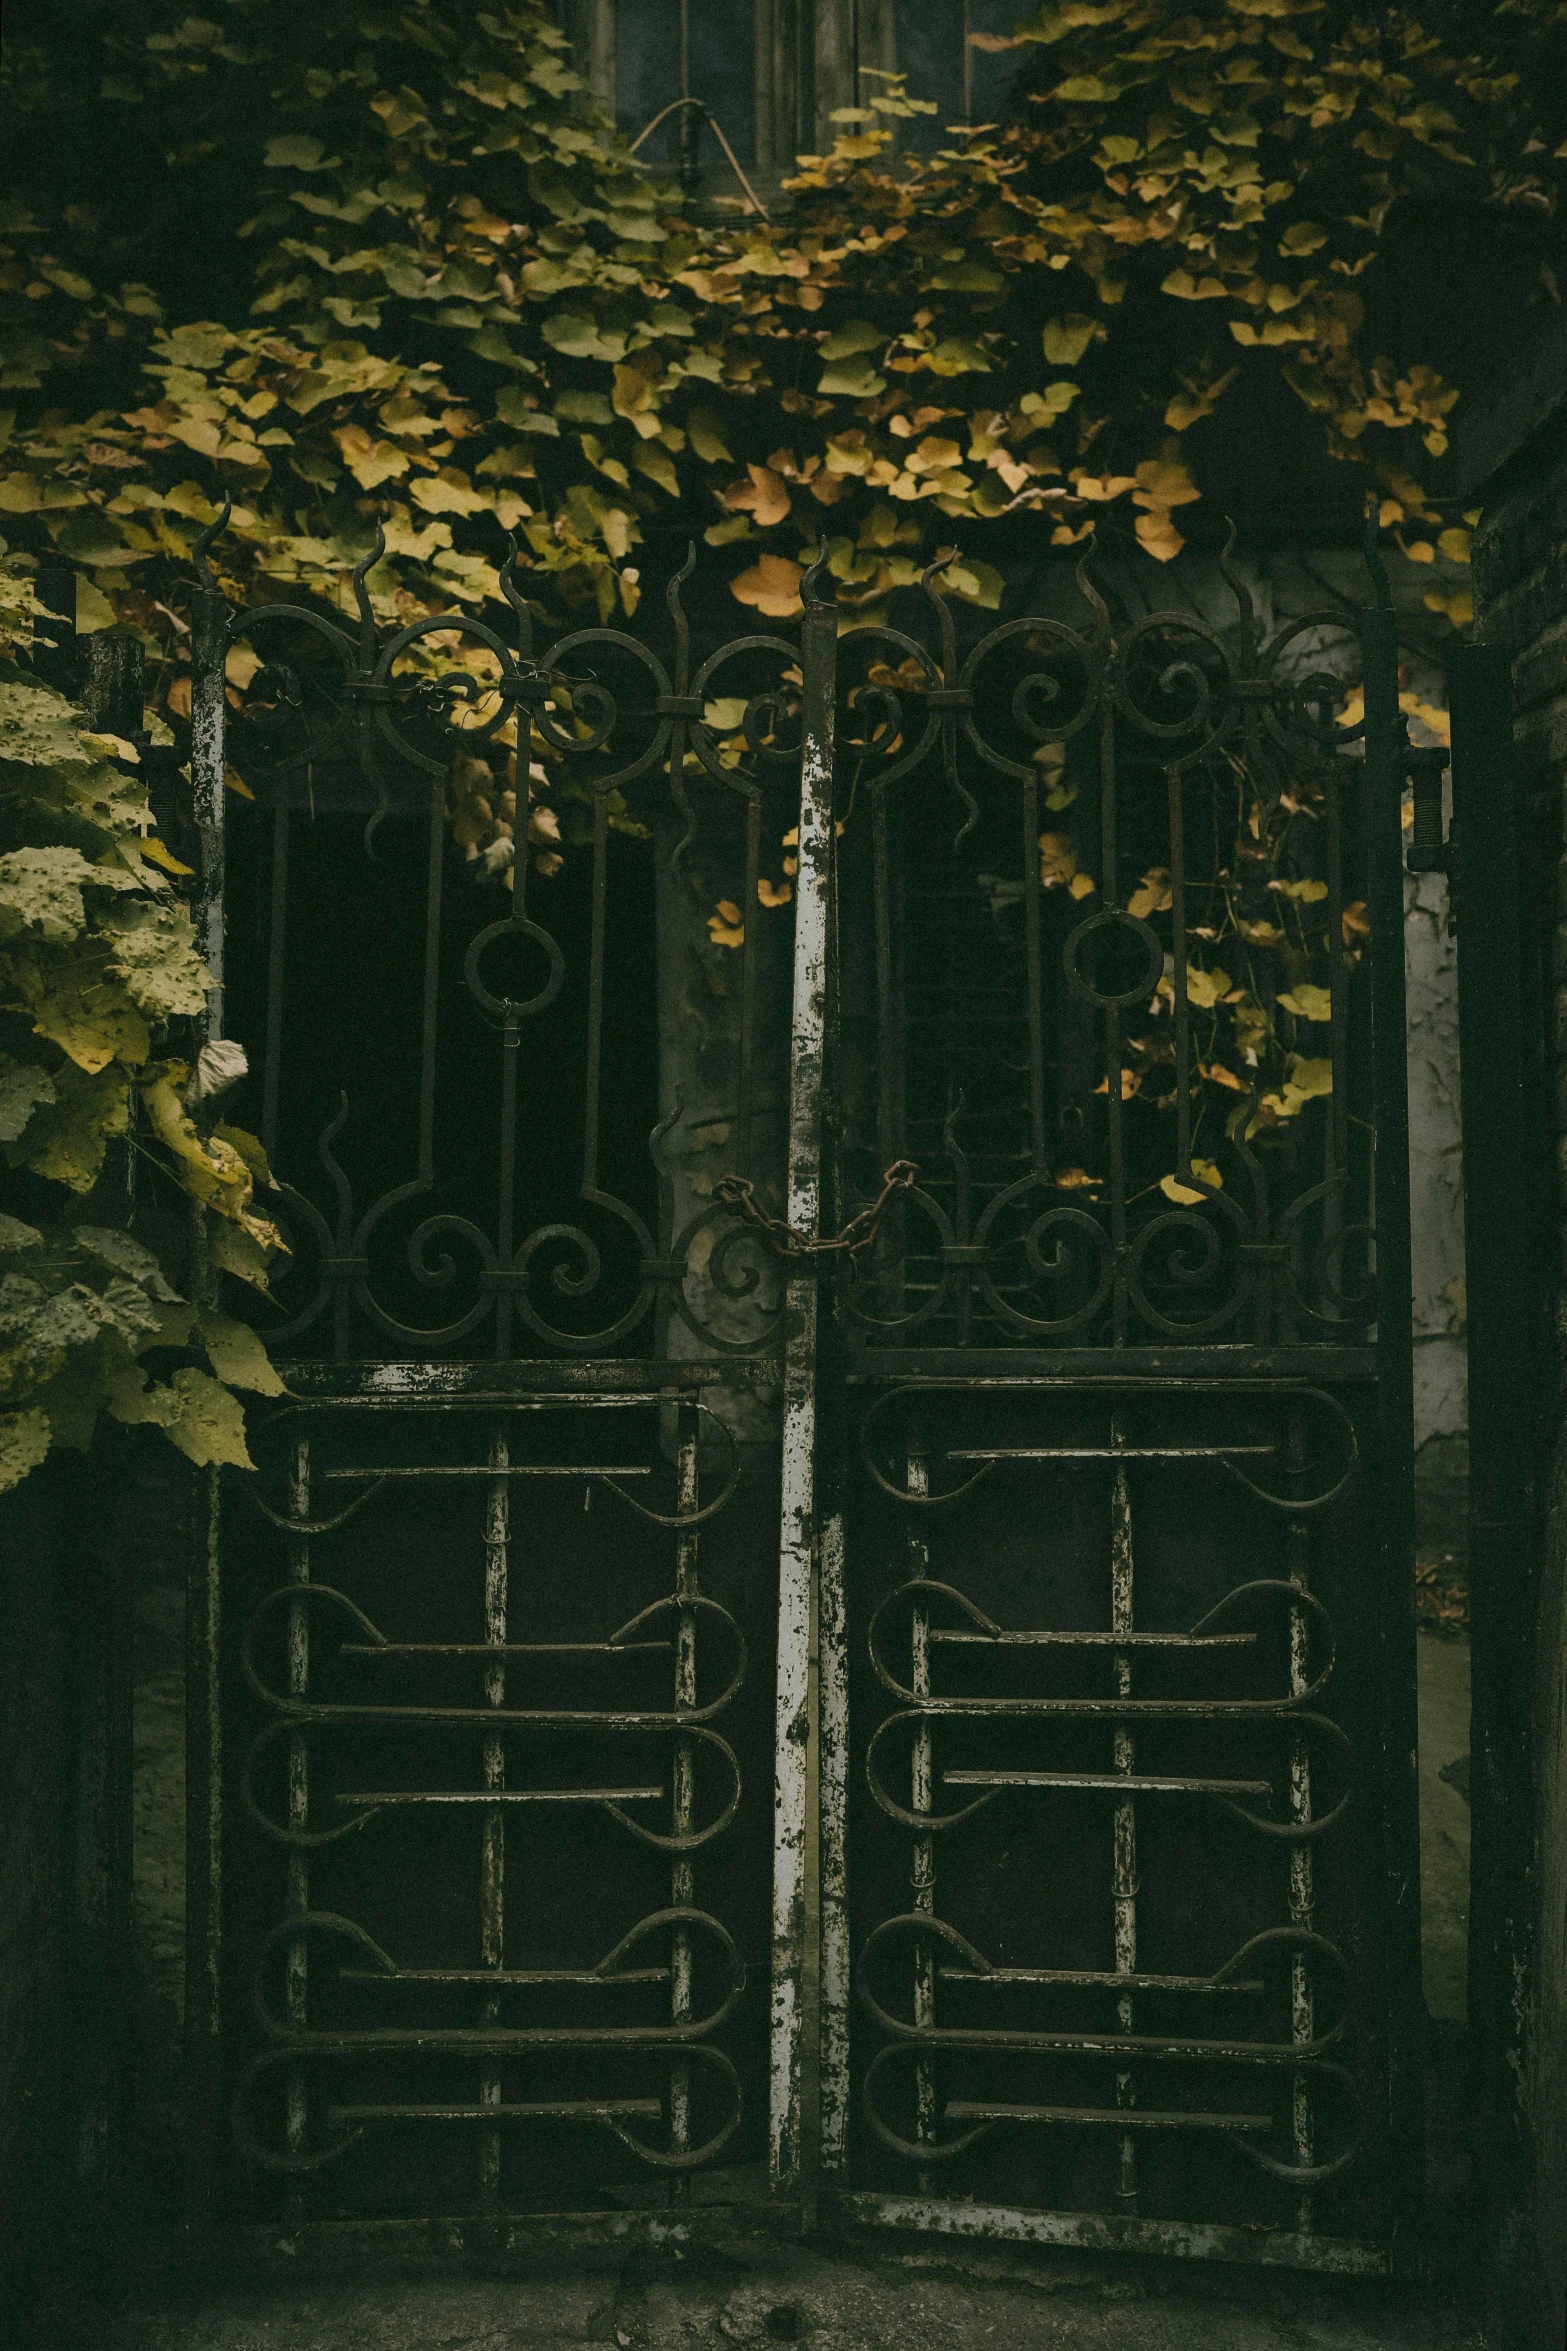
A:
(723, 76)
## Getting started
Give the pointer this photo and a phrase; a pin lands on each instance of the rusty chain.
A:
(784, 1241)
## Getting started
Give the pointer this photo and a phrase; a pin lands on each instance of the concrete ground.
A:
(829, 2300)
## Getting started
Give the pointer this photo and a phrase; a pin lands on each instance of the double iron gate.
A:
(827, 1186)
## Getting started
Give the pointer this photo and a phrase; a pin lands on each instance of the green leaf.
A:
(25, 1438)
(23, 1085)
(1066, 339)
(854, 336)
(856, 379)
(153, 945)
(236, 1354)
(211, 1426)
(250, 1149)
(66, 1139)
(511, 405)
(123, 1255)
(294, 151)
(40, 891)
(77, 1006)
(234, 1250)
(577, 337)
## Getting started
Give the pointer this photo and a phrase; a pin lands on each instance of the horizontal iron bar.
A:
(607, 1380)
(493, 1649)
(1093, 1978)
(1127, 1369)
(479, 1469)
(1113, 1453)
(1125, 2118)
(535, 2110)
(1123, 1783)
(1113, 2233)
(365, 1797)
(488, 1976)
(1092, 1640)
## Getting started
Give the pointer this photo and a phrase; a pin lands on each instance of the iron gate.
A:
(1082, 1451)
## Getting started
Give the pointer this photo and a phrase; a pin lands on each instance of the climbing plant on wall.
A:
(371, 266)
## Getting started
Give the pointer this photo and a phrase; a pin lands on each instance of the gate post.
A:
(1387, 755)
(1506, 1244)
(798, 1537)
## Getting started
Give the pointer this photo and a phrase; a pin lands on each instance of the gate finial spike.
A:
(198, 553)
(817, 587)
(515, 599)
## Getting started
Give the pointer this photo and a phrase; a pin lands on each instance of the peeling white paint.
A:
(797, 1534)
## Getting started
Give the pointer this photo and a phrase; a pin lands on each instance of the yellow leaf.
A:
(772, 585)
(773, 893)
(1454, 544)
(1304, 237)
(1164, 483)
(1308, 1078)
(1075, 1179)
(1057, 860)
(724, 926)
(1218, 1075)
(1205, 1172)
(1130, 1081)
(1152, 895)
(1066, 339)
(1204, 988)
(1307, 1002)
(1158, 536)
(724, 714)
(152, 847)
(1186, 288)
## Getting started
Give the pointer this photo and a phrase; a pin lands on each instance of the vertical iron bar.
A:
(797, 1543)
(1393, 1484)
(492, 1858)
(593, 1075)
(682, 1875)
(1302, 1893)
(921, 1789)
(209, 635)
(749, 906)
(277, 970)
(1110, 899)
(295, 1963)
(833, 1704)
(203, 1851)
(1124, 1878)
(1034, 975)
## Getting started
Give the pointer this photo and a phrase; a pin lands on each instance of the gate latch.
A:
(784, 1241)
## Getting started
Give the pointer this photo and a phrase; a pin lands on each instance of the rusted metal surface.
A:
(1074, 1466)
(362, 2027)
(1122, 1838)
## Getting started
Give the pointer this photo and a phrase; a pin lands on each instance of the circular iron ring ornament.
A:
(1143, 936)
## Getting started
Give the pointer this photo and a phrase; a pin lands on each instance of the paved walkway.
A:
(829, 2301)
